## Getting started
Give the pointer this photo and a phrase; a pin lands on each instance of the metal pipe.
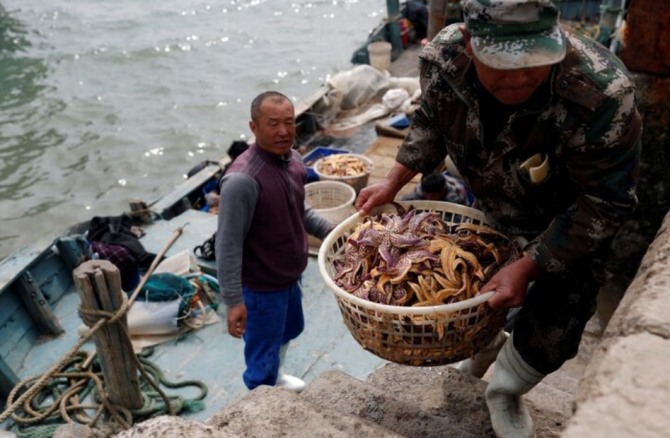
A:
(393, 25)
(609, 13)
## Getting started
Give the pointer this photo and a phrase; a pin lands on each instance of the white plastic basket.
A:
(333, 200)
(358, 181)
(418, 336)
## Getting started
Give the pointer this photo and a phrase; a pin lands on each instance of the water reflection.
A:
(106, 101)
(24, 104)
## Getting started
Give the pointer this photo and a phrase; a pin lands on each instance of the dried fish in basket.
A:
(406, 280)
(352, 169)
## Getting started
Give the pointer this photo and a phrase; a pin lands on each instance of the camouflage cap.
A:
(509, 34)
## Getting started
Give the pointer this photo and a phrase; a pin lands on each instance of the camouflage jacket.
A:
(587, 128)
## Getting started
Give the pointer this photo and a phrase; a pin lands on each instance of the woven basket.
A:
(411, 335)
(333, 200)
(358, 182)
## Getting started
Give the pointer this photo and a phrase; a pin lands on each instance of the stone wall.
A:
(625, 390)
(632, 241)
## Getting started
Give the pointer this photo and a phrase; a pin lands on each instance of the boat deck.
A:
(216, 359)
(209, 354)
(380, 146)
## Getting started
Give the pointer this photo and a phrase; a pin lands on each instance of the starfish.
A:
(389, 233)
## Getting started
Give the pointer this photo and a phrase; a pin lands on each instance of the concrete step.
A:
(340, 392)
(441, 391)
(394, 401)
(447, 392)
(274, 412)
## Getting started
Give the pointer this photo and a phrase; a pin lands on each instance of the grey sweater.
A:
(263, 223)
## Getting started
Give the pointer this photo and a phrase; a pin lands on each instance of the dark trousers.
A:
(273, 319)
(549, 326)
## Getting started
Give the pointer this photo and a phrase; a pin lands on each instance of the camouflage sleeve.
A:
(603, 167)
(424, 146)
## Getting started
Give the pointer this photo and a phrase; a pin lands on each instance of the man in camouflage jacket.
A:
(542, 125)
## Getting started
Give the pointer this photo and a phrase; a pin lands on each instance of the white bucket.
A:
(380, 55)
(332, 200)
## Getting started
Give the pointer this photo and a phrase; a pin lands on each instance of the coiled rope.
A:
(58, 396)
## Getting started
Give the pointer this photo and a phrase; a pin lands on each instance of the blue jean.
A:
(273, 319)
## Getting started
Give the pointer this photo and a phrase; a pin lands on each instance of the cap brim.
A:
(520, 52)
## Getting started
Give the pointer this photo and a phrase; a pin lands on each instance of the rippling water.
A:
(106, 101)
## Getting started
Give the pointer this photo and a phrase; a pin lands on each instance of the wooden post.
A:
(99, 285)
(440, 13)
(437, 16)
(38, 306)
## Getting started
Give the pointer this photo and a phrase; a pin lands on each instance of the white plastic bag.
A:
(153, 317)
(358, 85)
(394, 98)
(178, 264)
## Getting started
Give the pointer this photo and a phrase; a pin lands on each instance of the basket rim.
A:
(365, 159)
(329, 182)
(351, 192)
(356, 218)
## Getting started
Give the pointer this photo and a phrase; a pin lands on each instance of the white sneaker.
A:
(291, 383)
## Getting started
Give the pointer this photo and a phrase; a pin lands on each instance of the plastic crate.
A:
(315, 155)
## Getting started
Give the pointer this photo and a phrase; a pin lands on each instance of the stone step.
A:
(441, 391)
(273, 412)
(445, 391)
(340, 392)
(394, 401)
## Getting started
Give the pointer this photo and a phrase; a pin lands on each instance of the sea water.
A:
(107, 101)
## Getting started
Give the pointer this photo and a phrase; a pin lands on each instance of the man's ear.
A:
(466, 38)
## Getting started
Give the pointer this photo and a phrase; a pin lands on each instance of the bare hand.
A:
(374, 195)
(511, 283)
(237, 320)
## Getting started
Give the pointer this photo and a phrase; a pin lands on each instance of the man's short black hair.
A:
(258, 101)
(433, 182)
(236, 148)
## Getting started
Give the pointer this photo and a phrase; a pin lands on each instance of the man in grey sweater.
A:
(261, 242)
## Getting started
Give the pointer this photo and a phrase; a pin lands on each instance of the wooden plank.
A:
(17, 262)
(307, 103)
(198, 226)
(51, 276)
(181, 193)
(38, 305)
(17, 331)
(382, 152)
(8, 379)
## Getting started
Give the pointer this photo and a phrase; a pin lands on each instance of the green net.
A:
(168, 287)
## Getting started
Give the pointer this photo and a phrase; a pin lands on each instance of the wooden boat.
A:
(39, 301)
(39, 317)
